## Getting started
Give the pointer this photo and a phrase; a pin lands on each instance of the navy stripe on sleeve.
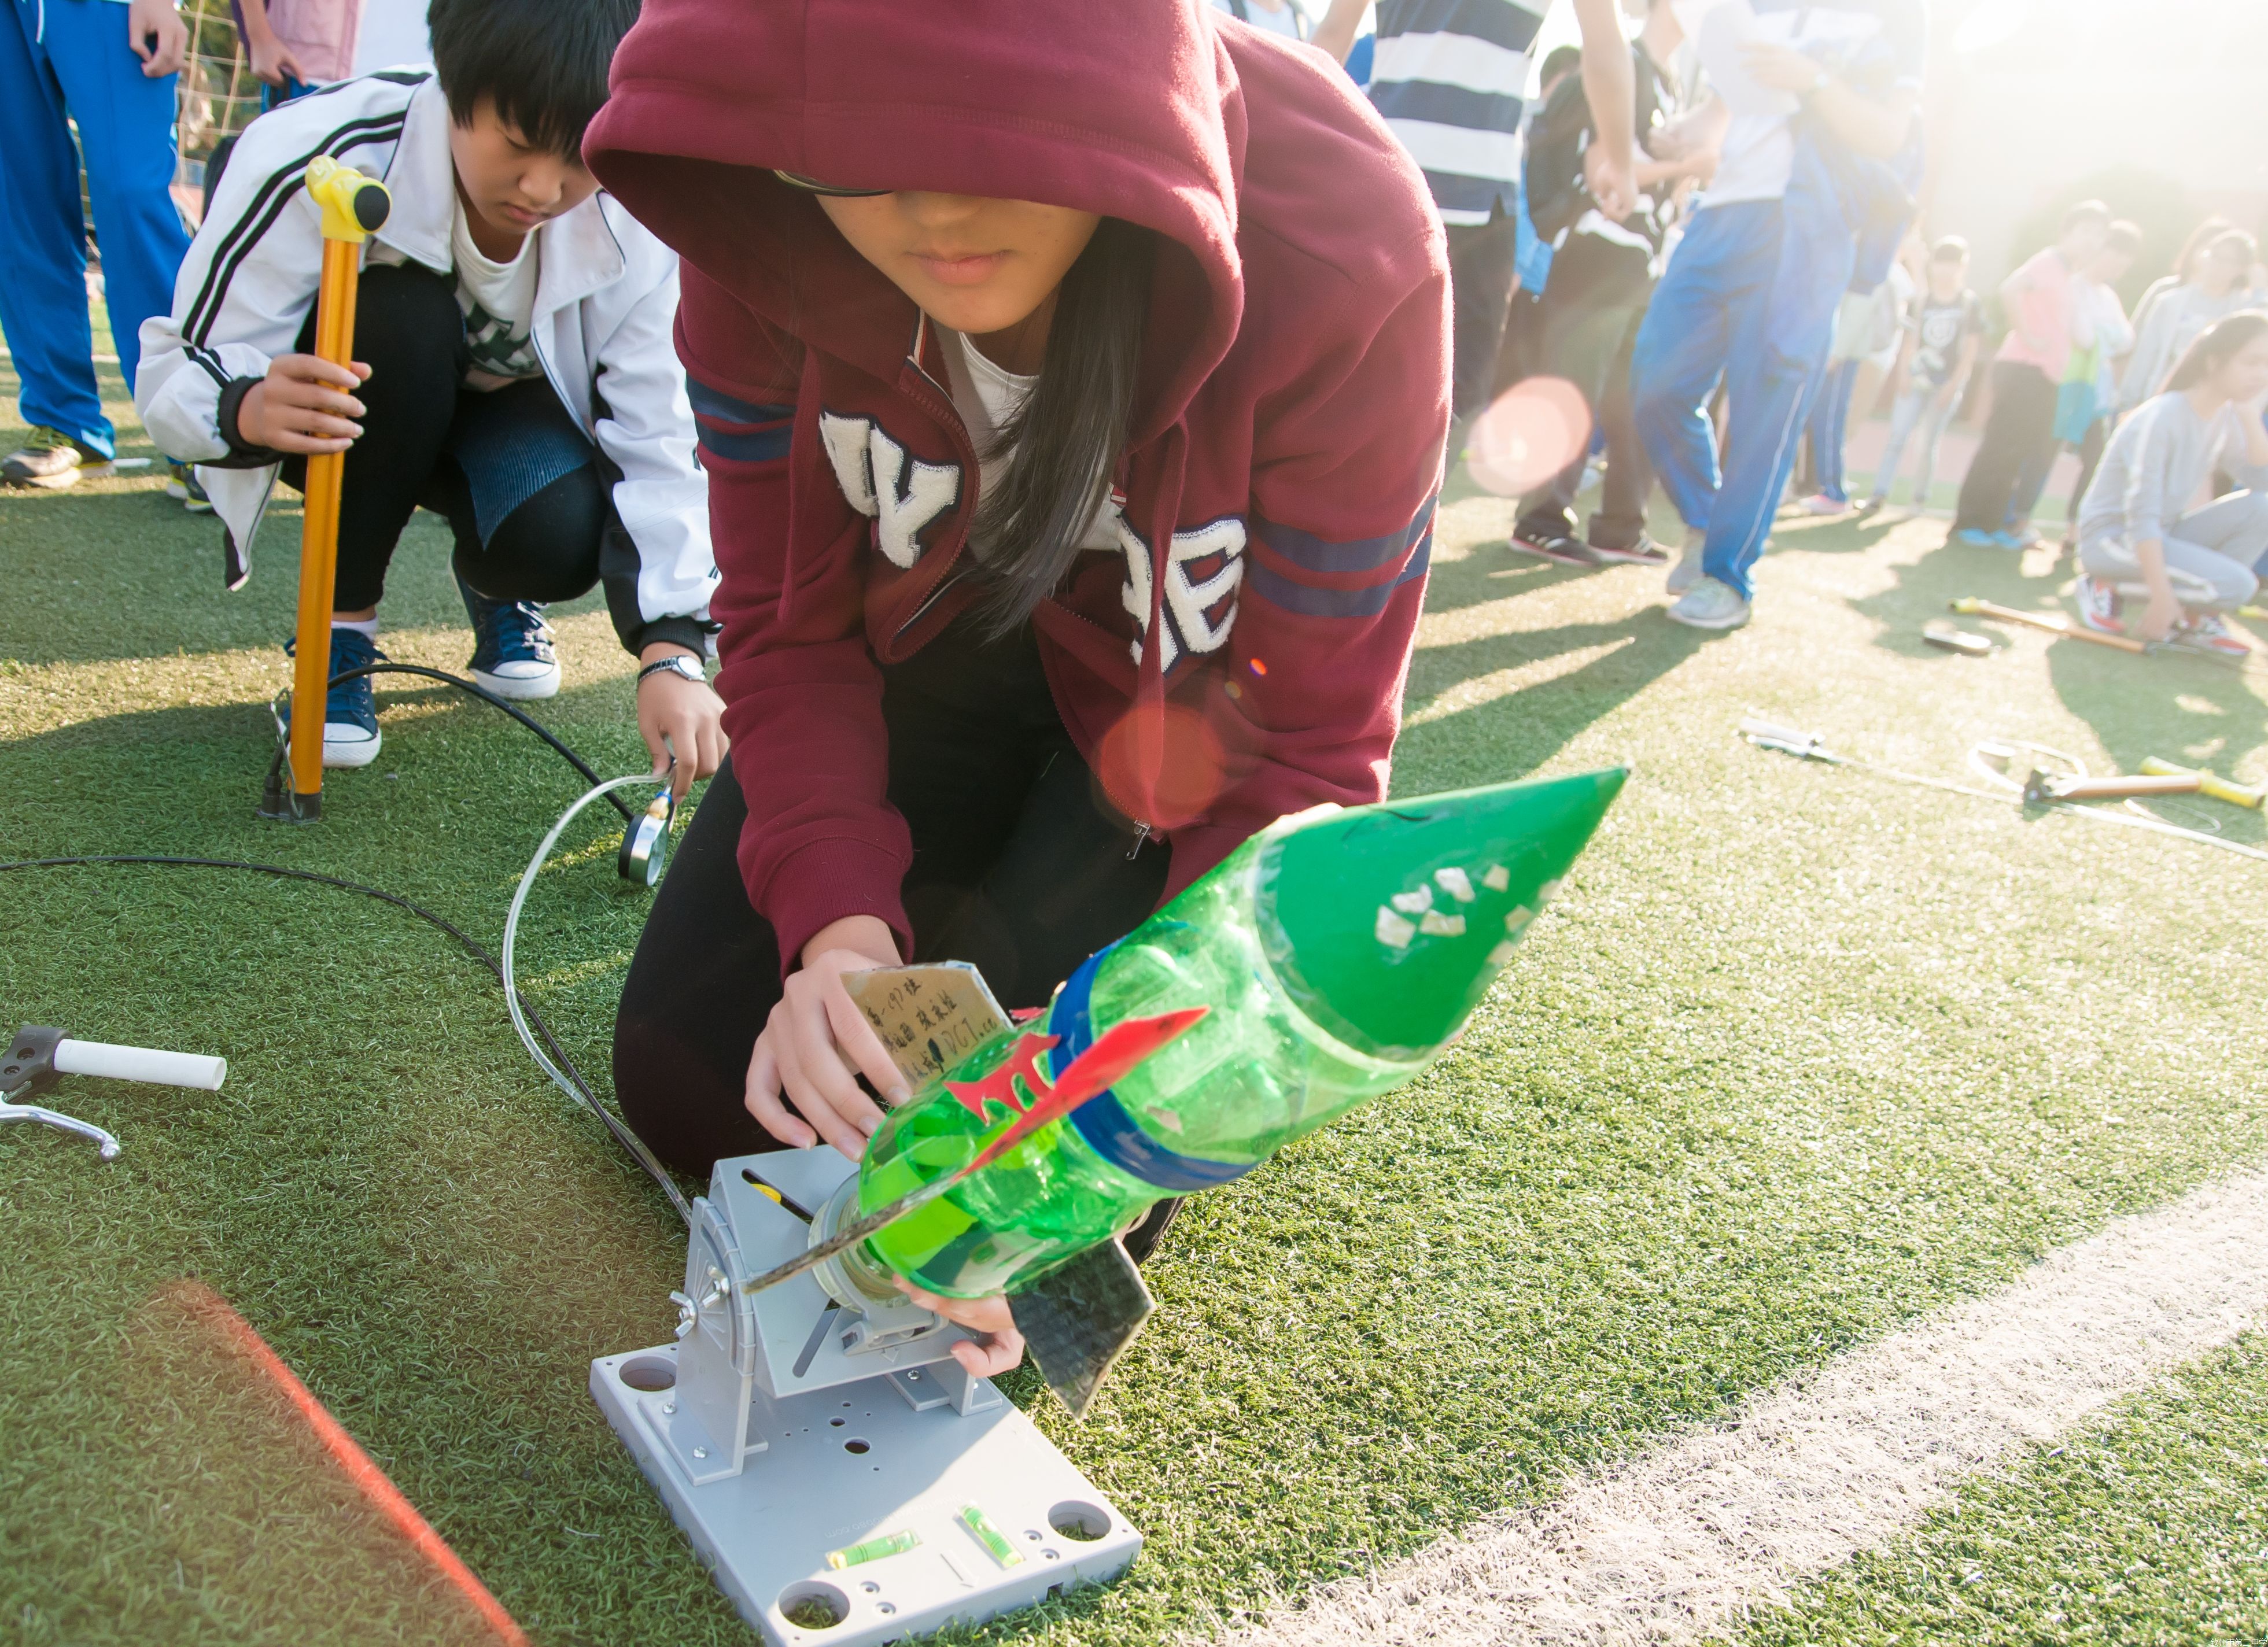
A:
(741, 431)
(1453, 192)
(712, 402)
(1312, 554)
(1273, 587)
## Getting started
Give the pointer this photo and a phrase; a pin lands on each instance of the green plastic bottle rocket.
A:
(1327, 961)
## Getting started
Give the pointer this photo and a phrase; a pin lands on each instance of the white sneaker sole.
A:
(1732, 621)
(355, 752)
(521, 688)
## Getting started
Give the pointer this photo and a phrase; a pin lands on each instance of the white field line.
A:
(1680, 1542)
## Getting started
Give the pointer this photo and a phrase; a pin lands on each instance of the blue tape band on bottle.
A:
(1102, 1120)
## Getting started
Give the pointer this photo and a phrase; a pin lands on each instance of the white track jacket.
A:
(606, 303)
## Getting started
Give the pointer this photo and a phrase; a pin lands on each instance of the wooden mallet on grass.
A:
(352, 206)
(2054, 622)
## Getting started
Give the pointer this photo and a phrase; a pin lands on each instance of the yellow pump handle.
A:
(353, 204)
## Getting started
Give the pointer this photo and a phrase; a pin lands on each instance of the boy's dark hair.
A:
(541, 63)
(2124, 238)
(2086, 212)
(1950, 249)
(1560, 60)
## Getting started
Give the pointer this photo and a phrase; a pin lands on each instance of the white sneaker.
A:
(1710, 605)
(1687, 572)
(348, 744)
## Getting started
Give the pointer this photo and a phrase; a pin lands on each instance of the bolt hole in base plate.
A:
(649, 1373)
(1074, 1519)
(813, 1605)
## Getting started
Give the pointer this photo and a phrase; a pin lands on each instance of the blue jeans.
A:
(1748, 299)
(63, 59)
(1831, 415)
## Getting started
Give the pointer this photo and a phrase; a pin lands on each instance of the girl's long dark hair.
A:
(2215, 348)
(1067, 436)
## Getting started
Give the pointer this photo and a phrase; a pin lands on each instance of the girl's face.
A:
(2244, 375)
(2224, 272)
(977, 265)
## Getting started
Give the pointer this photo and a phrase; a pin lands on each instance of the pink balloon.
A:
(1533, 430)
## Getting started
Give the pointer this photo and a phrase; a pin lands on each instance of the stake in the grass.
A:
(352, 206)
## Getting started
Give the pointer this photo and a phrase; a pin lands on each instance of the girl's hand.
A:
(817, 1041)
(1002, 1346)
(679, 716)
(305, 404)
(272, 61)
(2161, 617)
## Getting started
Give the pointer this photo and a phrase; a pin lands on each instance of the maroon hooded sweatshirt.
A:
(1242, 655)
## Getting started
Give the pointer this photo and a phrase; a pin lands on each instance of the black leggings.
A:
(2018, 430)
(1019, 866)
(530, 530)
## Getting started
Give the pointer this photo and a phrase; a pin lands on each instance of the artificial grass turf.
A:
(1798, 1055)
(2148, 1525)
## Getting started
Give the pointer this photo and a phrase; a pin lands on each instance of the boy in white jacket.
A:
(514, 369)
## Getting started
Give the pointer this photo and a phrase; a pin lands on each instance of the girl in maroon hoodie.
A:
(1072, 381)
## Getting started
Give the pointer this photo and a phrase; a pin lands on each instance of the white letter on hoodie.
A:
(904, 495)
(1188, 604)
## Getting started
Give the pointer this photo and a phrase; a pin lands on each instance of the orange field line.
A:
(202, 1301)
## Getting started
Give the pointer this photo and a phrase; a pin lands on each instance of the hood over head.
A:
(1129, 110)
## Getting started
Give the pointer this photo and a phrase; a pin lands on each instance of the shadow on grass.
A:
(1489, 572)
(1464, 727)
(104, 572)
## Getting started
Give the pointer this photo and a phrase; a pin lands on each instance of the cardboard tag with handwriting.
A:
(931, 1016)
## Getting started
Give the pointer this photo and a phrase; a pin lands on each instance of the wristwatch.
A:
(1819, 79)
(676, 663)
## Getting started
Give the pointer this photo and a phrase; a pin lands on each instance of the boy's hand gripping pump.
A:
(353, 207)
(1325, 962)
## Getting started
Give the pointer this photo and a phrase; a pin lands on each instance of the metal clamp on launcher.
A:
(37, 1058)
(846, 1479)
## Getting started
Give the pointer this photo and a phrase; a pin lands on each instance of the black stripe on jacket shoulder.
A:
(268, 205)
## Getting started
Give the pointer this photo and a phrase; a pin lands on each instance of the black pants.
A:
(2018, 429)
(1018, 867)
(1591, 311)
(509, 469)
(1480, 292)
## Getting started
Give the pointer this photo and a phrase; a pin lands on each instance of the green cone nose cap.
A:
(1387, 923)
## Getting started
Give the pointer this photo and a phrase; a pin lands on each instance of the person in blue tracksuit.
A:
(112, 65)
(1819, 99)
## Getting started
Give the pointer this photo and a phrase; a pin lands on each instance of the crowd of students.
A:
(1053, 474)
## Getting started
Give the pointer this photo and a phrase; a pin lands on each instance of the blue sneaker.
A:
(512, 654)
(351, 736)
(1978, 538)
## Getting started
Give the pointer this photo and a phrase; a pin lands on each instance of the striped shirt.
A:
(1449, 78)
